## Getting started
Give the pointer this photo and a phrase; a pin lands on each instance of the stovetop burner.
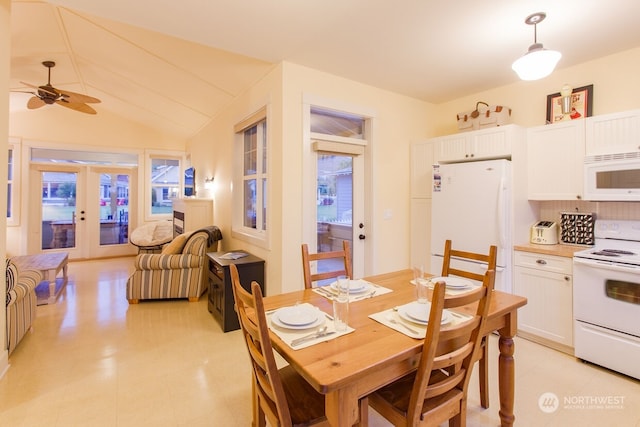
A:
(613, 252)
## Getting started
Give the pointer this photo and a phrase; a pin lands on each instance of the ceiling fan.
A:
(47, 94)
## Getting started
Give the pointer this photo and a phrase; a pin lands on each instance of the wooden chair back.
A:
(345, 267)
(267, 384)
(449, 254)
(448, 270)
(437, 392)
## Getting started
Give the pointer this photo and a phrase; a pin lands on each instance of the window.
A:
(10, 185)
(165, 174)
(250, 215)
(13, 184)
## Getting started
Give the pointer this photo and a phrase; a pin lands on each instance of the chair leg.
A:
(483, 371)
(363, 405)
(133, 301)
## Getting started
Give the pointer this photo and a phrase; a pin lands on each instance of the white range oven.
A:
(606, 298)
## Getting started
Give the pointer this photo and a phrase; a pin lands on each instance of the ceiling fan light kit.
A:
(538, 62)
(47, 95)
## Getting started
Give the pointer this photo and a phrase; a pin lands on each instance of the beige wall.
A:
(5, 25)
(616, 87)
(398, 121)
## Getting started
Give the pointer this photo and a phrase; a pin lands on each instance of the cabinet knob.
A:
(541, 262)
(567, 278)
(579, 197)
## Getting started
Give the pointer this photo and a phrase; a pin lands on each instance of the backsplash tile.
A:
(550, 211)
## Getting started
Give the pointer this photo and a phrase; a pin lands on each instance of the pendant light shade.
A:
(538, 62)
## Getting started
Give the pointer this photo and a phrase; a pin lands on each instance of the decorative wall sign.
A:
(581, 105)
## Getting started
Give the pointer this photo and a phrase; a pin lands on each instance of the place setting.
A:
(357, 289)
(412, 318)
(303, 325)
(454, 285)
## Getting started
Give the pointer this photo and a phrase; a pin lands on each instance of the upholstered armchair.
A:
(21, 302)
(179, 271)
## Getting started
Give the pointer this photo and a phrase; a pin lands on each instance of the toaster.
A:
(544, 233)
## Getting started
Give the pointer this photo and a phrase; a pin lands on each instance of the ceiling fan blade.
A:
(83, 108)
(78, 97)
(35, 102)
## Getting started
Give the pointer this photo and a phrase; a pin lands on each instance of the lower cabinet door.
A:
(549, 309)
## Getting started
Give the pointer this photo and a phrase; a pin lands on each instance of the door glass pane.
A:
(334, 204)
(59, 209)
(114, 209)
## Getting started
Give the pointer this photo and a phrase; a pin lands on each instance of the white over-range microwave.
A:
(614, 177)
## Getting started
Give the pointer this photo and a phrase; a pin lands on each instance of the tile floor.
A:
(93, 360)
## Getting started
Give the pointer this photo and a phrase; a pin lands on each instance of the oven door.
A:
(607, 295)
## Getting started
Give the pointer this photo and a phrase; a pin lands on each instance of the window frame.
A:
(151, 155)
(13, 195)
(259, 235)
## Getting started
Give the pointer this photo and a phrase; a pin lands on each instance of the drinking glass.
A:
(422, 290)
(341, 304)
(418, 272)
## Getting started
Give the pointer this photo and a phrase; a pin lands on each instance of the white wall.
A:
(398, 121)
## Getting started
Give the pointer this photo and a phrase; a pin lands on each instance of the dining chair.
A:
(447, 270)
(281, 396)
(437, 390)
(343, 258)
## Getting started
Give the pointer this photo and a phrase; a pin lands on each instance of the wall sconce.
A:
(208, 183)
(565, 100)
(538, 62)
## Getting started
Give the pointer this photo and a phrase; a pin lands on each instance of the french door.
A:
(83, 210)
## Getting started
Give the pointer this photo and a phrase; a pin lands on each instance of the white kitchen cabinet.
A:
(613, 133)
(421, 232)
(482, 144)
(547, 283)
(555, 161)
(422, 160)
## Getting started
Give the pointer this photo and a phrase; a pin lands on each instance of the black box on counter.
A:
(577, 228)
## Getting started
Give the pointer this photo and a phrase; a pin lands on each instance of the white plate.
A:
(355, 286)
(452, 282)
(419, 313)
(297, 315)
(320, 319)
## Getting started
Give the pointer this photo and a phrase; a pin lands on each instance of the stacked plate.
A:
(298, 317)
(452, 282)
(356, 286)
(419, 313)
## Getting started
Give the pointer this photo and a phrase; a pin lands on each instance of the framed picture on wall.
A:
(579, 106)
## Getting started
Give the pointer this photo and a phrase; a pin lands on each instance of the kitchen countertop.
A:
(558, 250)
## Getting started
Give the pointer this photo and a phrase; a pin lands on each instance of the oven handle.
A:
(605, 265)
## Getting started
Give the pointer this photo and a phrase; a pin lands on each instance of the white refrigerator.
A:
(473, 207)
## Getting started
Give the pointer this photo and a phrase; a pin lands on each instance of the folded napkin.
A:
(288, 335)
(391, 319)
(374, 290)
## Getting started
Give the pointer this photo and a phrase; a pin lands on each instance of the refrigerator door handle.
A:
(501, 224)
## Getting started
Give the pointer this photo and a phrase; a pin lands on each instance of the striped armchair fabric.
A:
(171, 275)
(21, 302)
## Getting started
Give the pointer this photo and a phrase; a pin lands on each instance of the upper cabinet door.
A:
(613, 133)
(482, 144)
(422, 160)
(555, 161)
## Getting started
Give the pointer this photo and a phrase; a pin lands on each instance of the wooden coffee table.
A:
(49, 265)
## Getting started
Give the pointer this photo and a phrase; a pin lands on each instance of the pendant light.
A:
(538, 62)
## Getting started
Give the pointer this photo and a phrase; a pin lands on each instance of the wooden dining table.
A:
(352, 366)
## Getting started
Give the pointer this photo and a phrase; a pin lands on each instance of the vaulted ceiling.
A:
(174, 65)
